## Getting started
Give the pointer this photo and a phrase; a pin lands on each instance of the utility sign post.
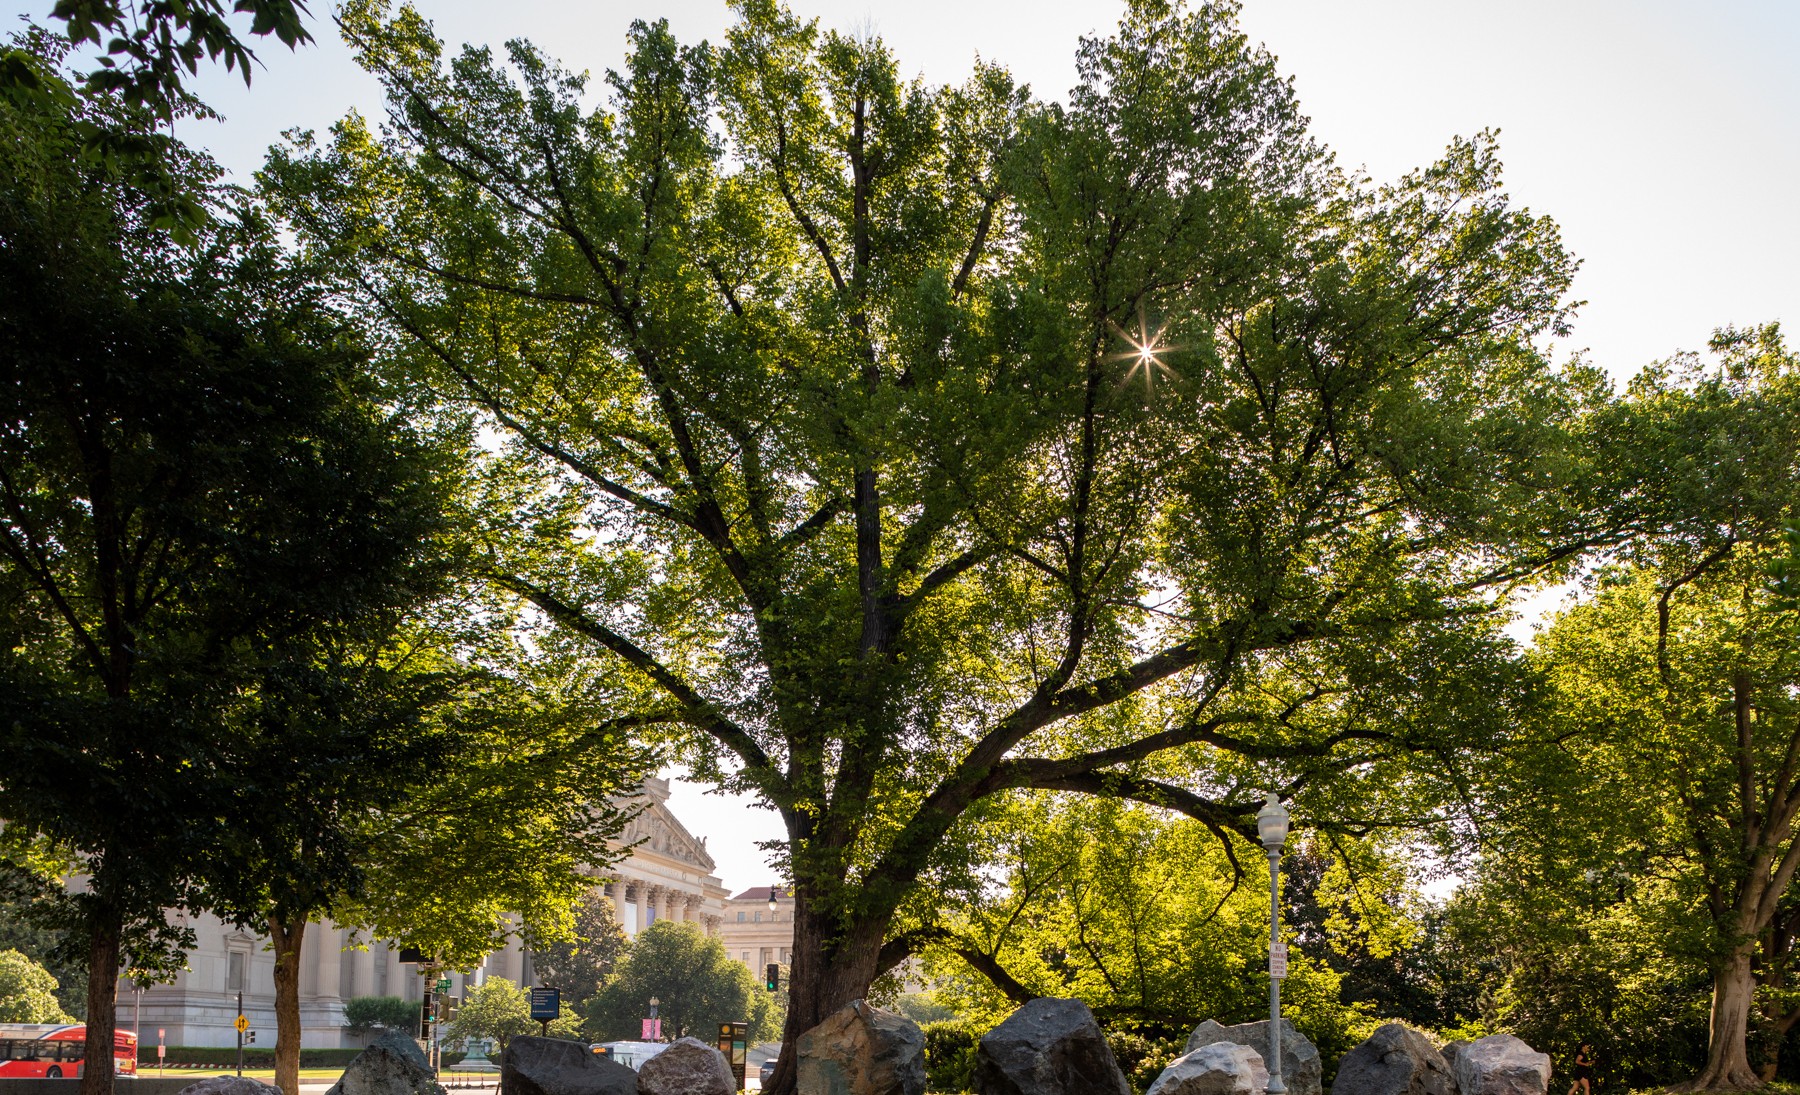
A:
(242, 1025)
(734, 1043)
(546, 1006)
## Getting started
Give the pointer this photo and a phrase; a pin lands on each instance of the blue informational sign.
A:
(546, 1005)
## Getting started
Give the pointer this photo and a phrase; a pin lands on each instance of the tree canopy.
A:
(27, 991)
(195, 469)
(908, 445)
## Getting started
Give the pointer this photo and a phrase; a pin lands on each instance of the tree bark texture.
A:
(102, 1002)
(1727, 1058)
(285, 938)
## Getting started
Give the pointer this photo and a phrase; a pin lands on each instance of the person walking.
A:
(1584, 1071)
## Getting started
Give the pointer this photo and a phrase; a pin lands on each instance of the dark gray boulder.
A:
(1395, 1060)
(556, 1066)
(1450, 1050)
(862, 1050)
(1301, 1069)
(392, 1065)
(1048, 1047)
(1218, 1068)
(1501, 1064)
(229, 1085)
(688, 1067)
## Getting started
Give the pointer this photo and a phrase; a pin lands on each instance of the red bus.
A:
(52, 1050)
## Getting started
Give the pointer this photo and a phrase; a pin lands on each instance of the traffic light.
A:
(425, 1015)
(250, 1037)
(772, 977)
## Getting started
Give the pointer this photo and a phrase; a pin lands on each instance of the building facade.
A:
(665, 875)
(755, 934)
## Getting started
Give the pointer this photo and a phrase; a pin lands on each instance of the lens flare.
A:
(1145, 355)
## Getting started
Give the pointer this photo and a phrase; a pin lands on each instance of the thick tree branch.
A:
(699, 711)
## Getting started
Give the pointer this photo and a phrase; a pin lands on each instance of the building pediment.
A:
(656, 830)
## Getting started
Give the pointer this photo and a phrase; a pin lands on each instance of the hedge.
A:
(254, 1056)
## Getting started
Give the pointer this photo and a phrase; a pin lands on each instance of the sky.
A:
(1662, 136)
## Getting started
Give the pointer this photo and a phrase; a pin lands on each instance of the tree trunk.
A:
(104, 927)
(1727, 1062)
(829, 971)
(285, 938)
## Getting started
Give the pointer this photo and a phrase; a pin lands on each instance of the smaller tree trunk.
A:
(285, 937)
(104, 928)
(1727, 1060)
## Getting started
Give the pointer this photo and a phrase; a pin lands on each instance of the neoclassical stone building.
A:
(667, 875)
(755, 934)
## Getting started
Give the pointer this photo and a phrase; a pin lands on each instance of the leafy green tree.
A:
(364, 1014)
(193, 470)
(697, 985)
(31, 901)
(27, 992)
(943, 442)
(1668, 696)
(497, 1011)
(1141, 916)
(433, 785)
(151, 46)
(584, 965)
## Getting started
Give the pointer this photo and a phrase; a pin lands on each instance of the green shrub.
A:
(1143, 1054)
(363, 1014)
(258, 1056)
(950, 1055)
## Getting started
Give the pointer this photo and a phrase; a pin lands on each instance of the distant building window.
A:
(746, 953)
(759, 916)
(742, 915)
(234, 971)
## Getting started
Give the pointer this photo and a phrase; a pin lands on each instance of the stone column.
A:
(395, 984)
(694, 901)
(362, 967)
(713, 920)
(653, 899)
(330, 958)
(634, 894)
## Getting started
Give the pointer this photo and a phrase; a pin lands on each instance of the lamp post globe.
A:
(1272, 830)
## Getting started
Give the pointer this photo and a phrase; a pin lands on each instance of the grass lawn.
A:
(267, 1075)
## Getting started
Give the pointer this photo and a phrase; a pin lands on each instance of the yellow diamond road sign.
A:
(242, 1024)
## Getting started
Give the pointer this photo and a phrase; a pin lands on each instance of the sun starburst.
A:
(1145, 355)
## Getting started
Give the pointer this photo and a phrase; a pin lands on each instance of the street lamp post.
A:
(655, 1027)
(774, 898)
(1272, 828)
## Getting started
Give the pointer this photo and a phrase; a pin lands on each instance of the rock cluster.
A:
(1301, 1069)
(392, 1065)
(861, 1050)
(1396, 1060)
(1048, 1047)
(688, 1067)
(555, 1066)
(1219, 1068)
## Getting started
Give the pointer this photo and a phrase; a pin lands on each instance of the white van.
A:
(631, 1054)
